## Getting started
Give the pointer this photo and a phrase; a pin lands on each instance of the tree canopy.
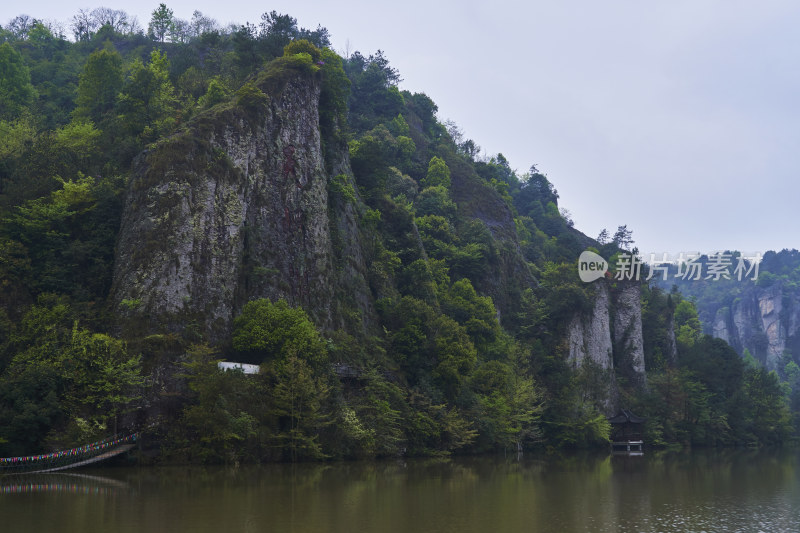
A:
(452, 333)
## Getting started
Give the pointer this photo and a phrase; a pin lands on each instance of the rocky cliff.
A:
(589, 335)
(589, 340)
(763, 320)
(609, 337)
(236, 207)
(628, 340)
(242, 204)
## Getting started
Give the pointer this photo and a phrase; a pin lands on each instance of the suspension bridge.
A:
(68, 458)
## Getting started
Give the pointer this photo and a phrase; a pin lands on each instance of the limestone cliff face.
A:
(589, 339)
(610, 337)
(628, 338)
(589, 336)
(233, 208)
(765, 321)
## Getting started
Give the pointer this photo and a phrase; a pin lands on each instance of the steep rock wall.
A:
(764, 321)
(589, 340)
(609, 337)
(589, 335)
(628, 340)
(232, 208)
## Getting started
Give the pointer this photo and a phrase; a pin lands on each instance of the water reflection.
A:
(700, 491)
(66, 483)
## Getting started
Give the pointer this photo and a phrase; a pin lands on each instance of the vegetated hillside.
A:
(248, 194)
(759, 317)
(757, 313)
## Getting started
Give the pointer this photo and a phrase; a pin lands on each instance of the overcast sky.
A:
(679, 118)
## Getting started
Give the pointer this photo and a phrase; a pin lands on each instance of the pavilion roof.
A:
(625, 416)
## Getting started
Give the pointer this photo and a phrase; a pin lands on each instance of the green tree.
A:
(302, 46)
(161, 23)
(476, 313)
(382, 408)
(266, 331)
(438, 174)
(77, 145)
(509, 406)
(374, 96)
(221, 421)
(69, 236)
(298, 400)
(16, 91)
(456, 356)
(435, 201)
(665, 405)
(275, 32)
(687, 325)
(68, 383)
(29, 407)
(107, 381)
(14, 138)
(147, 103)
(623, 238)
(409, 321)
(333, 96)
(769, 421)
(99, 85)
(748, 360)
(217, 92)
(251, 97)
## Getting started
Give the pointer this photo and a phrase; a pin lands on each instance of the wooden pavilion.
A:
(627, 432)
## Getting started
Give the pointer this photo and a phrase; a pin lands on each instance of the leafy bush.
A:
(302, 46)
(251, 97)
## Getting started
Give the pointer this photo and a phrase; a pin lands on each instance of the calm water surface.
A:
(698, 491)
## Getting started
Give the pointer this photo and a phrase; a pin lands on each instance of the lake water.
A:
(731, 490)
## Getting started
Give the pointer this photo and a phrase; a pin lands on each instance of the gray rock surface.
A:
(236, 208)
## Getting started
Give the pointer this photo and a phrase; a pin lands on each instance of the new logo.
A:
(591, 266)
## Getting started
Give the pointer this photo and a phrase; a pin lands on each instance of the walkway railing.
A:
(63, 459)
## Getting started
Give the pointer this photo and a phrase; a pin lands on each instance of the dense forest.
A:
(469, 269)
(759, 315)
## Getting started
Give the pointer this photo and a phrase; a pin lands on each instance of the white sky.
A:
(679, 118)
